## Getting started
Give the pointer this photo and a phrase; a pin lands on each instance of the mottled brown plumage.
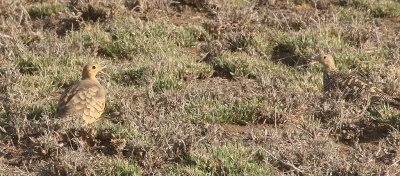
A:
(86, 98)
(352, 86)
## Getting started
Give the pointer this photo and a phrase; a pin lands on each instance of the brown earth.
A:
(298, 132)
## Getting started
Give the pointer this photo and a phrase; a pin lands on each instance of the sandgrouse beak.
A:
(105, 66)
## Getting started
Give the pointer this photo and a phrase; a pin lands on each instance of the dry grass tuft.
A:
(198, 87)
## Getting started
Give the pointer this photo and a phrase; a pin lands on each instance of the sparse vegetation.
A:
(124, 168)
(44, 10)
(231, 159)
(198, 87)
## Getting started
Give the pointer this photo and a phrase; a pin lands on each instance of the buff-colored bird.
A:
(352, 86)
(86, 98)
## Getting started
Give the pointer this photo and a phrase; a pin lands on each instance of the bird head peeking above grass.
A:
(90, 71)
(327, 61)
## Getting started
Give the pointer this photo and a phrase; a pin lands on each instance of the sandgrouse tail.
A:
(86, 98)
(352, 86)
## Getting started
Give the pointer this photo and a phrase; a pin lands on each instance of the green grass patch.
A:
(186, 68)
(175, 71)
(303, 43)
(133, 76)
(112, 107)
(126, 132)
(27, 67)
(130, 4)
(41, 68)
(378, 8)
(229, 159)
(45, 10)
(295, 49)
(121, 167)
(32, 64)
(2, 71)
(37, 74)
(386, 114)
(122, 43)
(262, 43)
(92, 36)
(360, 61)
(240, 113)
(190, 35)
(36, 111)
(240, 3)
(133, 37)
(234, 64)
(164, 83)
(383, 8)
(346, 14)
(246, 111)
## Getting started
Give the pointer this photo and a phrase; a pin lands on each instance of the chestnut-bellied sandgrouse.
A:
(352, 86)
(86, 98)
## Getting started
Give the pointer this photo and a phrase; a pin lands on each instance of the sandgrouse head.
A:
(327, 61)
(90, 71)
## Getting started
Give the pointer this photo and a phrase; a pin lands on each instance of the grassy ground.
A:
(201, 87)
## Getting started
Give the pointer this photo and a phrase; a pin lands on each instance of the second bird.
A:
(352, 86)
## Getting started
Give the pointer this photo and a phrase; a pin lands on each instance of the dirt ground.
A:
(198, 87)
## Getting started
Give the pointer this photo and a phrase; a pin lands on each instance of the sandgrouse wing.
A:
(352, 86)
(86, 98)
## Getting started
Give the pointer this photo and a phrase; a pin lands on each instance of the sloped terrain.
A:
(198, 87)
